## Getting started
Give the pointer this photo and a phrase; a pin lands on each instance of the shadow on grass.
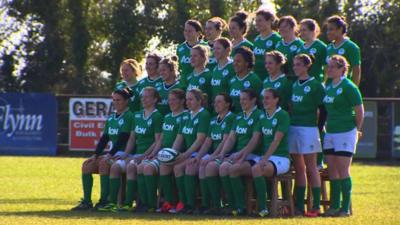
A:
(121, 216)
(51, 201)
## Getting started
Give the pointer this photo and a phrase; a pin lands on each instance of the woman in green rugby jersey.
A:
(290, 43)
(243, 144)
(265, 41)
(192, 134)
(344, 46)
(153, 76)
(130, 69)
(142, 140)
(200, 78)
(238, 29)
(170, 129)
(343, 102)
(224, 71)
(212, 31)
(116, 130)
(273, 125)
(304, 140)
(193, 36)
(168, 71)
(245, 78)
(309, 32)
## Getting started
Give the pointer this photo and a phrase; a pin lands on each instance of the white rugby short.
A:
(282, 164)
(304, 140)
(343, 142)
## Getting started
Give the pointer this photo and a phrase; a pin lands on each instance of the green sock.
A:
(180, 184)
(300, 192)
(214, 190)
(335, 194)
(205, 194)
(142, 189)
(268, 183)
(151, 190)
(166, 184)
(346, 186)
(104, 187)
(87, 184)
(114, 189)
(190, 190)
(316, 192)
(226, 185)
(261, 189)
(131, 189)
(238, 191)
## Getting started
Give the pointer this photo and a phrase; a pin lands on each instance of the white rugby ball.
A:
(167, 155)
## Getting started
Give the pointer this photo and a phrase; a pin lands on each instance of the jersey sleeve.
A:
(204, 123)
(158, 121)
(320, 94)
(283, 123)
(323, 53)
(354, 96)
(106, 125)
(128, 123)
(354, 55)
(229, 124)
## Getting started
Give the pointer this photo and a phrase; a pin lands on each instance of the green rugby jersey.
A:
(318, 50)
(289, 50)
(147, 82)
(145, 129)
(134, 103)
(347, 49)
(219, 127)
(183, 52)
(170, 128)
(245, 43)
(263, 45)
(251, 80)
(244, 128)
(220, 79)
(269, 125)
(163, 91)
(201, 81)
(115, 125)
(194, 124)
(282, 85)
(339, 101)
(306, 97)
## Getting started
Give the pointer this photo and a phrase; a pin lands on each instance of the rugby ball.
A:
(167, 155)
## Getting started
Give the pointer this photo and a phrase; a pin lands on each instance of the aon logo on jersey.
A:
(185, 59)
(215, 137)
(328, 99)
(241, 130)
(235, 92)
(296, 98)
(140, 130)
(215, 82)
(164, 102)
(259, 51)
(267, 131)
(112, 131)
(187, 130)
(190, 87)
(168, 127)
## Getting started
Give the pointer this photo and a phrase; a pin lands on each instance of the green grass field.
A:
(41, 190)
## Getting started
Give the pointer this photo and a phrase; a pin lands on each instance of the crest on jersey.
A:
(307, 89)
(196, 121)
(262, 116)
(277, 84)
(341, 51)
(339, 91)
(202, 80)
(269, 43)
(223, 125)
(293, 48)
(274, 122)
(120, 122)
(149, 122)
(246, 84)
(250, 122)
(178, 120)
(313, 51)
(225, 72)
(181, 49)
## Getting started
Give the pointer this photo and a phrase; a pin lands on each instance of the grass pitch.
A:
(41, 190)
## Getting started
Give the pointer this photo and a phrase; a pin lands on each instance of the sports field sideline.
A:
(41, 190)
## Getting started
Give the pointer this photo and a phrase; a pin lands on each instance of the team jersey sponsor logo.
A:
(191, 86)
(341, 51)
(178, 120)
(262, 116)
(269, 43)
(339, 91)
(246, 84)
(296, 98)
(202, 80)
(267, 131)
(277, 84)
(149, 122)
(232, 80)
(187, 130)
(185, 59)
(215, 82)
(234, 92)
(120, 122)
(328, 99)
(137, 116)
(164, 102)
(112, 131)
(140, 130)
(250, 122)
(168, 127)
(241, 130)
(307, 89)
(274, 122)
(258, 51)
(313, 51)
(225, 72)
(212, 122)
(293, 48)
(216, 136)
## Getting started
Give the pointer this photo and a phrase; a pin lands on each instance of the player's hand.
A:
(359, 135)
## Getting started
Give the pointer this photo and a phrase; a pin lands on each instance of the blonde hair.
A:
(340, 62)
(204, 52)
(133, 64)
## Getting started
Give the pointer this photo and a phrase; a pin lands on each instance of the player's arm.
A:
(204, 148)
(150, 151)
(359, 110)
(228, 144)
(101, 144)
(274, 144)
(356, 74)
(200, 137)
(178, 143)
(221, 145)
(254, 141)
(121, 141)
(130, 145)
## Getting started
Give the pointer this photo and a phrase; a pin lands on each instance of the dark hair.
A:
(289, 20)
(171, 63)
(311, 25)
(240, 18)
(306, 59)
(339, 22)
(154, 56)
(227, 98)
(277, 56)
(126, 93)
(250, 92)
(268, 15)
(247, 54)
(197, 26)
(177, 92)
(220, 24)
(274, 92)
(156, 95)
(225, 42)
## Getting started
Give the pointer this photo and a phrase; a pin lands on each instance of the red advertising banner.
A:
(87, 117)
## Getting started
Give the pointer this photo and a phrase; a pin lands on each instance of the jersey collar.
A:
(310, 78)
(183, 111)
(287, 44)
(198, 74)
(223, 67)
(223, 119)
(304, 46)
(194, 115)
(155, 110)
(277, 78)
(341, 44)
(273, 114)
(152, 81)
(122, 114)
(248, 74)
(244, 113)
(238, 44)
(175, 83)
(265, 38)
(341, 79)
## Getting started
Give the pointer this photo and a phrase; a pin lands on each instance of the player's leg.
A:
(150, 172)
(166, 183)
(236, 171)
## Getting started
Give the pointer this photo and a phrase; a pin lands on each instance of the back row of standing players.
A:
(273, 61)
